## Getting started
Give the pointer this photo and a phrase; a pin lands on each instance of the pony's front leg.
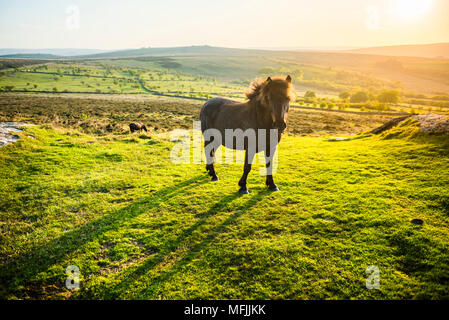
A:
(210, 159)
(269, 157)
(246, 170)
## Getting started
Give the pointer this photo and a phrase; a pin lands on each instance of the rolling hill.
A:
(434, 50)
(410, 74)
(57, 52)
(31, 56)
(169, 51)
(414, 74)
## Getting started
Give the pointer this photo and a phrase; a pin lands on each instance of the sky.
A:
(114, 24)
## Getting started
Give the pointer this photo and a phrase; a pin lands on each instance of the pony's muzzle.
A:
(281, 126)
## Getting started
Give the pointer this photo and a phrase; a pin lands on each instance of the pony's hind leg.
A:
(210, 158)
(212, 173)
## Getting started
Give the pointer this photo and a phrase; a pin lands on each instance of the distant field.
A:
(243, 68)
(202, 77)
(413, 74)
(326, 72)
(60, 83)
(103, 78)
(141, 227)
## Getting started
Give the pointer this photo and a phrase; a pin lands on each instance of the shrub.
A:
(344, 95)
(359, 96)
(388, 96)
(310, 94)
(343, 106)
(444, 98)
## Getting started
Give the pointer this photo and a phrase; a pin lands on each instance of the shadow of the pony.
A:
(20, 271)
(130, 279)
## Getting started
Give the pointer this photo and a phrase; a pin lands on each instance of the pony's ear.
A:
(269, 80)
(289, 79)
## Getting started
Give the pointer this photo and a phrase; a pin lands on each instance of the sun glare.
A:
(409, 9)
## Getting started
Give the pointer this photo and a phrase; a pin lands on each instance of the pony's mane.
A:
(259, 87)
(255, 88)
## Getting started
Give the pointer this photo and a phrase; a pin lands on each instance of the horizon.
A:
(112, 26)
(330, 48)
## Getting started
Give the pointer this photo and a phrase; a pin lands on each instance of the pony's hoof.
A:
(215, 179)
(243, 191)
(273, 188)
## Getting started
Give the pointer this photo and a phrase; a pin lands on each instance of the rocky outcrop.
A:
(433, 123)
(428, 123)
(7, 130)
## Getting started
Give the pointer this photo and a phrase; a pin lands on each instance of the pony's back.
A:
(210, 110)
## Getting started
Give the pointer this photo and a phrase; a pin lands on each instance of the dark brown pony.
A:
(266, 108)
(136, 126)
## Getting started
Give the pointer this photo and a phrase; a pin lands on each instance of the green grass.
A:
(139, 226)
(66, 83)
(110, 77)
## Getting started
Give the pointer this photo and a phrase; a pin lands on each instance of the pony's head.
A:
(144, 128)
(275, 95)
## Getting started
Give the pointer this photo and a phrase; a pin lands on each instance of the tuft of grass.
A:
(406, 129)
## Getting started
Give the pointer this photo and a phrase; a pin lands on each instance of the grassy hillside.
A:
(139, 226)
(200, 78)
(325, 71)
(202, 72)
(17, 63)
(415, 74)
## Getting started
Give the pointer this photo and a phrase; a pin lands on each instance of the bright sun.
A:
(409, 9)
